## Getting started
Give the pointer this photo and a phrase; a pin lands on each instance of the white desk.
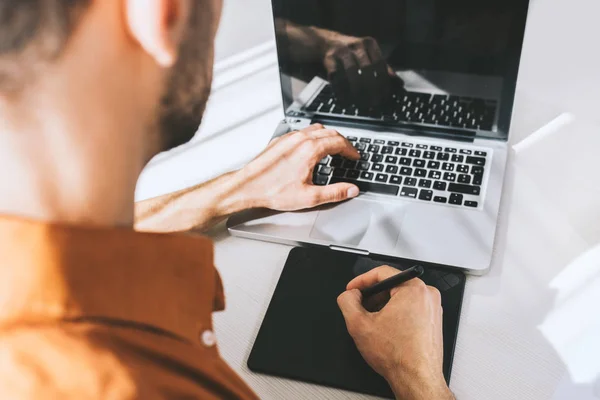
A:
(530, 329)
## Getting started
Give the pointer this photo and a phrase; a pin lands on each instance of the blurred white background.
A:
(244, 24)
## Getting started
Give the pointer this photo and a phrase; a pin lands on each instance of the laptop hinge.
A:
(407, 129)
(349, 250)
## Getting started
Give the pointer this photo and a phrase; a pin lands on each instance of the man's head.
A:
(90, 90)
(177, 35)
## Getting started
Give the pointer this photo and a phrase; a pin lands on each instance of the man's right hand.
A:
(403, 340)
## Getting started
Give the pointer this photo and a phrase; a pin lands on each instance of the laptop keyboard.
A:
(416, 107)
(411, 170)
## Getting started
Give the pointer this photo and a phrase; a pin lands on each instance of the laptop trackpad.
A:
(360, 223)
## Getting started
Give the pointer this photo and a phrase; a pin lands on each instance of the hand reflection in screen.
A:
(354, 66)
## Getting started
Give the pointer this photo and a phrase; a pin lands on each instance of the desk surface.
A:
(530, 329)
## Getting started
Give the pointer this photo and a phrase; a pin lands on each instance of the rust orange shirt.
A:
(98, 313)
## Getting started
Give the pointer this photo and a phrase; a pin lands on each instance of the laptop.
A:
(424, 90)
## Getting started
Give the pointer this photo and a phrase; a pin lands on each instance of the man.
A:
(89, 308)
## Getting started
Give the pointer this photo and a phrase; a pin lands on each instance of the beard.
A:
(188, 87)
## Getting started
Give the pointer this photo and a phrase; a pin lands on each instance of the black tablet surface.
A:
(303, 335)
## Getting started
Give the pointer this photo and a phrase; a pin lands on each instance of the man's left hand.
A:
(281, 177)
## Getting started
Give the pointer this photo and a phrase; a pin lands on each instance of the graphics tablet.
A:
(303, 335)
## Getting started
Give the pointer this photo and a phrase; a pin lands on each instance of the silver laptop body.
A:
(430, 186)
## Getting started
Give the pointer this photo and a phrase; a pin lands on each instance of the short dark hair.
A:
(33, 31)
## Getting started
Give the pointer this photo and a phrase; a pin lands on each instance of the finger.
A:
(350, 303)
(313, 128)
(361, 56)
(337, 144)
(373, 50)
(319, 195)
(372, 277)
(323, 133)
(345, 58)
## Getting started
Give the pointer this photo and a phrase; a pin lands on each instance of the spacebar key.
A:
(369, 186)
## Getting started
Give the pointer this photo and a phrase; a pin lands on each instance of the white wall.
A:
(244, 24)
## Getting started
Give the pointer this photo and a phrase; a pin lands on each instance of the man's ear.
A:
(158, 26)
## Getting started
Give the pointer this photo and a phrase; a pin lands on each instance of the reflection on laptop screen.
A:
(449, 64)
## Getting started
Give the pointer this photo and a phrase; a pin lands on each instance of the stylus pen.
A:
(393, 281)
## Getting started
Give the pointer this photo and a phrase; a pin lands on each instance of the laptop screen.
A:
(443, 65)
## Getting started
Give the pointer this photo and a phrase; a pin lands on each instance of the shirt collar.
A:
(52, 272)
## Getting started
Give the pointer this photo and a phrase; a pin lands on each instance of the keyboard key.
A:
(421, 173)
(475, 170)
(462, 178)
(401, 151)
(480, 161)
(477, 179)
(450, 150)
(324, 170)
(381, 178)
(433, 165)
(409, 145)
(405, 161)
(448, 167)
(360, 146)
(324, 161)
(373, 148)
(425, 183)
(440, 199)
(339, 172)
(406, 171)
(352, 138)
(365, 156)
(456, 199)
(363, 166)
(449, 176)
(370, 186)
(418, 163)
(471, 204)
(320, 180)
(379, 141)
(457, 159)
(429, 155)
(377, 158)
(393, 143)
(367, 175)
(466, 189)
(421, 146)
(352, 174)
(365, 140)
(465, 151)
(410, 181)
(439, 185)
(391, 159)
(463, 169)
(415, 153)
(481, 153)
(336, 161)
(387, 150)
(396, 180)
(435, 148)
(391, 169)
(349, 164)
(377, 167)
(425, 195)
(435, 174)
(409, 192)
(443, 156)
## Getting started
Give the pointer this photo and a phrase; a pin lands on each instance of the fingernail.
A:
(353, 191)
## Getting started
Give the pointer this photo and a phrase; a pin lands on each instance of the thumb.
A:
(350, 303)
(333, 193)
